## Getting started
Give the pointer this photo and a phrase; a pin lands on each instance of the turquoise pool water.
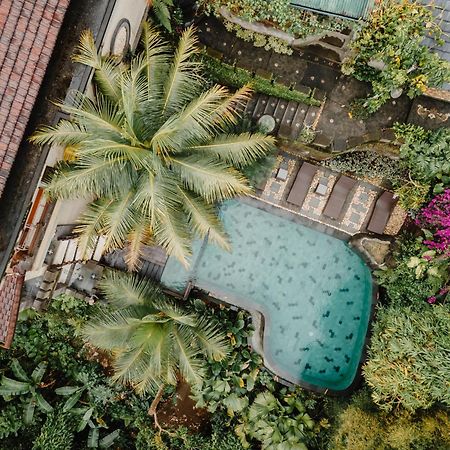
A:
(315, 293)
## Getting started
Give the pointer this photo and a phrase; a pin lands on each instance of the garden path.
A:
(334, 125)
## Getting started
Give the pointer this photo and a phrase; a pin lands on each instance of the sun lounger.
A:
(338, 197)
(302, 183)
(381, 213)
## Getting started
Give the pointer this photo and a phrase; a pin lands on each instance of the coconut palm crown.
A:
(152, 148)
(153, 339)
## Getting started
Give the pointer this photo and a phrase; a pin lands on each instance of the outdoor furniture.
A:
(322, 186)
(381, 212)
(302, 183)
(338, 197)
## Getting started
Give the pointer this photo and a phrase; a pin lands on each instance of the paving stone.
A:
(311, 116)
(322, 141)
(339, 144)
(354, 141)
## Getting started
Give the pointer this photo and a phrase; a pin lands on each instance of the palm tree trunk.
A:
(156, 400)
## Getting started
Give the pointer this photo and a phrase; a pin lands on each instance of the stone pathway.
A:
(336, 128)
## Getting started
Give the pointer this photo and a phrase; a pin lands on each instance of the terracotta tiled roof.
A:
(10, 289)
(28, 32)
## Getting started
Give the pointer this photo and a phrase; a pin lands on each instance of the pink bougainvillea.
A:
(435, 217)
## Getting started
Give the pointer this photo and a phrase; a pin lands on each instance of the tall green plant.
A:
(153, 340)
(27, 386)
(389, 53)
(152, 148)
(408, 362)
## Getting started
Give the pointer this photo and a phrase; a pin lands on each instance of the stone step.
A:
(260, 107)
(297, 122)
(279, 112)
(286, 121)
(272, 103)
(251, 104)
(311, 116)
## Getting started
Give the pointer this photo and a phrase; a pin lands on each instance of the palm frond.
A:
(192, 123)
(64, 133)
(203, 219)
(190, 365)
(107, 69)
(212, 340)
(211, 179)
(171, 232)
(138, 238)
(183, 79)
(123, 289)
(238, 150)
(111, 330)
(227, 112)
(90, 176)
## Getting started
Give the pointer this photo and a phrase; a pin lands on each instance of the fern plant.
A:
(29, 387)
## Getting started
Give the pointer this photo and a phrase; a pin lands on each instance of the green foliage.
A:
(154, 340)
(417, 274)
(392, 36)
(162, 11)
(408, 362)
(361, 426)
(277, 424)
(228, 75)
(57, 433)
(11, 420)
(220, 437)
(427, 154)
(75, 387)
(412, 194)
(258, 408)
(368, 164)
(279, 13)
(28, 386)
(152, 148)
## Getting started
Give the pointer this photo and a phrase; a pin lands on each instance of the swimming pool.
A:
(315, 293)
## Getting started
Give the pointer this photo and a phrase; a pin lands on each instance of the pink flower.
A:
(431, 300)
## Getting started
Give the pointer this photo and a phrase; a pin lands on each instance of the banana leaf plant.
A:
(29, 387)
(80, 401)
(276, 424)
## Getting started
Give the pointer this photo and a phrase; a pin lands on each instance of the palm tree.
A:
(153, 340)
(152, 148)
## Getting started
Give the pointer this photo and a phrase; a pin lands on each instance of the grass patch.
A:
(228, 75)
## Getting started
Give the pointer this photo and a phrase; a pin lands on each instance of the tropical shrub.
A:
(366, 163)
(418, 274)
(388, 52)
(153, 339)
(259, 409)
(408, 364)
(276, 424)
(57, 433)
(74, 386)
(152, 148)
(426, 154)
(362, 426)
(220, 437)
